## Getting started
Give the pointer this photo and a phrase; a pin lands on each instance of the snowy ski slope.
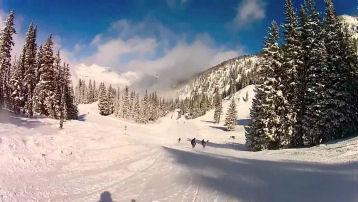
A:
(39, 162)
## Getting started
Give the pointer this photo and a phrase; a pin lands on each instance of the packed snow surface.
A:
(97, 158)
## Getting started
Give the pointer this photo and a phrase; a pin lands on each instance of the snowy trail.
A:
(39, 162)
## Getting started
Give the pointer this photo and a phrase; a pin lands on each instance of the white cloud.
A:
(178, 64)
(147, 55)
(101, 74)
(250, 11)
(111, 52)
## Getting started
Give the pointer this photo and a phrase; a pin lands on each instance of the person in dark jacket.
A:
(203, 143)
(193, 142)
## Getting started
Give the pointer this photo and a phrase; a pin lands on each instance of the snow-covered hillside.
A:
(238, 71)
(97, 155)
(352, 23)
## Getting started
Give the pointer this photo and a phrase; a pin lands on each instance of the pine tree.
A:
(218, 107)
(145, 108)
(17, 88)
(339, 110)
(263, 131)
(125, 105)
(103, 105)
(95, 92)
(90, 92)
(351, 60)
(137, 110)
(70, 106)
(312, 72)
(287, 109)
(6, 43)
(39, 63)
(110, 96)
(132, 105)
(29, 62)
(45, 91)
(231, 115)
(60, 83)
(256, 135)
(22, 82)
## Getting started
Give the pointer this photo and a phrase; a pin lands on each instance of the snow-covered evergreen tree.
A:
(110, 97)
(103, 105)
(22, 82)
(218, 107)
(256, 134)
(39, 63)
(70, 106)
(16, 87)
(137, 110)
(132, 100)
(90, 95)
(145, 108)
(340, 111)
(45, 91)
(308, 126)
(231, 115)
(287, 108)
(6, 43)
(125, 105)
(29, 63)
(95, 91)
(263, 132)
(60, 83)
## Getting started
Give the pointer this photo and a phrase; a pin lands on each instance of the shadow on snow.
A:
(8, 117)
(243, 122)
(261, 180)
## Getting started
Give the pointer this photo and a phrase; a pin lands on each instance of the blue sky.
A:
(146, 32)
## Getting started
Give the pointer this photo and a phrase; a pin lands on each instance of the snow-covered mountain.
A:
(352, 23)
(238, 72)
(241, 70)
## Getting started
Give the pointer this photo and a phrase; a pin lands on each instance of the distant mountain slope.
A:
(352, 23)
(238, 72)
(229, 75)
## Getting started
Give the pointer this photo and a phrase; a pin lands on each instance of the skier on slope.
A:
(193, 142)
(203, 143)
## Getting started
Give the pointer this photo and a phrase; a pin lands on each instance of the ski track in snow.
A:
(39, 162)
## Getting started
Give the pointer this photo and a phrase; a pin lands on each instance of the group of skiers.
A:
(193, 142)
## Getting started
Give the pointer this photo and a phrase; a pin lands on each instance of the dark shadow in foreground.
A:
(261, 180)
(105, 197)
